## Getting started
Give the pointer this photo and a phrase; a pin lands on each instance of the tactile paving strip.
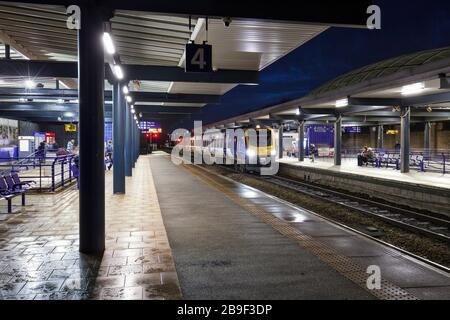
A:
(342, 264)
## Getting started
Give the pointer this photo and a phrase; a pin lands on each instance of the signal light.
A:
(147, 136)
(155, 136)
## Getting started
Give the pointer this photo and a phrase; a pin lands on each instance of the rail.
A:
(49, 172)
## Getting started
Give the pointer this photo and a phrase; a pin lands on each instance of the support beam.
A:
(427, 137)
(128, 164)
(374, 102)
(405, 139)
(380, 137)
(301, 139)
(91, 126)
(118, 140)
(66, 69)
(338, 141)
(349, 13)
(280, 141)
(7, 52)
(174, 97)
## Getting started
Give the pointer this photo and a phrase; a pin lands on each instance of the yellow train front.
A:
(247, 149)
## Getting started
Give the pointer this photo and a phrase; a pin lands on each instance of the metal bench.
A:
(8, 191)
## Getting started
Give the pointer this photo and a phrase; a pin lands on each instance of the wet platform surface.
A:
(230, 241)
(39, 256)
(431, 179)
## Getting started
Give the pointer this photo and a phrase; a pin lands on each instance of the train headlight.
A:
(251, 153)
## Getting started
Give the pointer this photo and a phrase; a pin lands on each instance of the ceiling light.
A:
(108, 43)
(125, 90)
(133, 111)
(129, 100)
(413, 89)
(297, 112)
(118, 72)
(22, 100)
(135, 118)
(140, 115)
(69, 114)
(342, 103)
(29, 84)
(60, 101)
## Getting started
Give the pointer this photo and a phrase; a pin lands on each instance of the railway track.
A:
(432, 227)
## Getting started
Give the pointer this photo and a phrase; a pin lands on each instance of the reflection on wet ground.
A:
(39, 256)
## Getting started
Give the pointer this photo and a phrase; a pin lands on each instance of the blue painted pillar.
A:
(118, 140)
(91, 75)
(405, 115)
(301, 139)
(338, 141)
(133, 143)
(128, 164)
(280, 143)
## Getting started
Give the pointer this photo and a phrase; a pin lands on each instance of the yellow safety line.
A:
(340, 263)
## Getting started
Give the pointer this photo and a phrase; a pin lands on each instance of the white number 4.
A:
(199, 58)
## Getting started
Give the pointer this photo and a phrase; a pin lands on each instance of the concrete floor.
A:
(223, 252)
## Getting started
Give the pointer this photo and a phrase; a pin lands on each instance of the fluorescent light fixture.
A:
(342, 103)
(29, 84)
(108, 43)
(125, 90)
(413, 89)
(133, 111)
(118, 71)
(297, 112)
(22, 100)
(69, 114)
(60, 101)
(129, 100)
(135, 118)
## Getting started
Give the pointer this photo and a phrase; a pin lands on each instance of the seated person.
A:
(363, 157)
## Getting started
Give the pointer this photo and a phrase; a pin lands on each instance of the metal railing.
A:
(49, 172)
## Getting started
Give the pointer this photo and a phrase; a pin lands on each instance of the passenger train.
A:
(245, 149)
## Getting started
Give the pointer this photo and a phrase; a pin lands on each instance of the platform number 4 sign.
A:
(198, 57)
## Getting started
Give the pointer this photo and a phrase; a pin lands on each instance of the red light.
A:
(155, 136)
(147, 136)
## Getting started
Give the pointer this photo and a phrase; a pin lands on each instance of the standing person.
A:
(109, 154)
(312, 152)
(41, 152)
(70, 146)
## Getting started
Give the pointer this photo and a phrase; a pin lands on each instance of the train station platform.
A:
(39, 257)
(420, 190)
(181, 232)
(230, 241)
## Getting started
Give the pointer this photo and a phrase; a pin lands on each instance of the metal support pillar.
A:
(118, 140)
(405, 139)
(91, 73)
(338, 141)
(7, 51)
(301, 141)
(280, 143)
(128, 165)
(427, 136)
(133, 143)
(380, 138)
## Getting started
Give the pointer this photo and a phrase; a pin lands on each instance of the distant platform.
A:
(349, 166)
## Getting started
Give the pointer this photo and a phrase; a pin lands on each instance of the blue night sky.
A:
(407, 26)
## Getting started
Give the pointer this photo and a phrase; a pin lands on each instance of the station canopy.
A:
(38, 33)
